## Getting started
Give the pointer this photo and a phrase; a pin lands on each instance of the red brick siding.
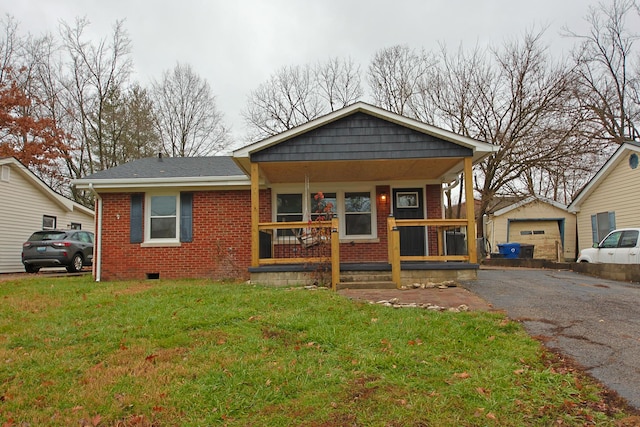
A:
(221, 246)
(434, 211)
(222, 237)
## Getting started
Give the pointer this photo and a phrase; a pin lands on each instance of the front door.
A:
(408, 203)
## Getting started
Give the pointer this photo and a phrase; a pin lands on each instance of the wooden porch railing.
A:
(301, 242)
(440, 226)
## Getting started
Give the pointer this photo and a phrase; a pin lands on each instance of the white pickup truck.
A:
(618, 247)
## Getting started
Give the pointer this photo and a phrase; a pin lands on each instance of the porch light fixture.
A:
(383, 197)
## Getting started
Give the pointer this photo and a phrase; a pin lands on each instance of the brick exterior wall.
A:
(222, 237)
(433, 194)
(221, 246)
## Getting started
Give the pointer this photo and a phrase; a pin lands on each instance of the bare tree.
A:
(289, 98)
(188, 122)
(518, 99)
(95, 73)
(338, 82)
(608, 71)
(10, 46)
(396, 76)
(295, 95)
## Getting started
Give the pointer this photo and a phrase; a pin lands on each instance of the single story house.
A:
(357, 189)
(28, 205)
(543, 223)
(608, 200)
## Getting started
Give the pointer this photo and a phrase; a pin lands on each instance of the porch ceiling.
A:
(365, 170)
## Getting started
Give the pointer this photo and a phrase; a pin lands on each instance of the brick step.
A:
(367, 285)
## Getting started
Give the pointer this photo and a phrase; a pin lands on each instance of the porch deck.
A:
(364, 275)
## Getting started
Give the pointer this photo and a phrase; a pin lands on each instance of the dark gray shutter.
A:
(612, 221)
(135, 226)
(594, 229)
(186, 217)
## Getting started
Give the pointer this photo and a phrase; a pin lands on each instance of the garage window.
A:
(531, 232)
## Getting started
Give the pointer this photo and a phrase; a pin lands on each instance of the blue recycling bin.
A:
(509, 250)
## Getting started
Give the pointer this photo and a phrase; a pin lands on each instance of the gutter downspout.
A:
(97, 257)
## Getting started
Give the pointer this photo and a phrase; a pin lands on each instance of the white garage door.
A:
(544, 235)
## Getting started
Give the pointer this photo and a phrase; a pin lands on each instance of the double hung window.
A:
(357, 212)
(161, 218)
(354, 209)
(323, 206)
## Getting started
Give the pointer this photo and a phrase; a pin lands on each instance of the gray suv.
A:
(72, 249)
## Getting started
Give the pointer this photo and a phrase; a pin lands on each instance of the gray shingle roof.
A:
(171, 167)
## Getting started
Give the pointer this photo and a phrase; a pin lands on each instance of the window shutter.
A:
(612, 221)
(135, 225)
(186, 217)
(594, 229)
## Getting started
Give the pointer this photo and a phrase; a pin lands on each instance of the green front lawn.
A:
(196, 353)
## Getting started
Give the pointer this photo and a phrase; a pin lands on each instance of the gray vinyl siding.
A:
(360, 137)
(23, 205)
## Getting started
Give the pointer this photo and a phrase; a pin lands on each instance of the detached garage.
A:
(545, 224)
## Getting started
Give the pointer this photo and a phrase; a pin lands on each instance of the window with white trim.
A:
(161, 217)
(49, 222)
(357, 213)
(289, 208)
(323, 206)
(355, 210)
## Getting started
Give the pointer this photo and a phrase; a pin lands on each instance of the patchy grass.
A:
(192, 353)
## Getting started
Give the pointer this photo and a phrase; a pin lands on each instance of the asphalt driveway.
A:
(592, 320)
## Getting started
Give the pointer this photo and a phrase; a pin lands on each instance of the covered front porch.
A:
(360, 187)
(313, 251)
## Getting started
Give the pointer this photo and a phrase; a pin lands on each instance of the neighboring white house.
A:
(546, 224)
(610, 200)
(27, 204)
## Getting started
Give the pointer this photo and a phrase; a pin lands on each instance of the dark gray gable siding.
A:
(360, 137)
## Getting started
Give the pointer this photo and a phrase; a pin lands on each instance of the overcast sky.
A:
(237, 44)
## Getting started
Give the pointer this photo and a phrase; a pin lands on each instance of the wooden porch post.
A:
(255, 215)
(395, 258)
(471, 215)
(391, 223)
(335, 253)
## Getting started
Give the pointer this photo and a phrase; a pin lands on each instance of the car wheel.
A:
(31, 269)
(76, 264)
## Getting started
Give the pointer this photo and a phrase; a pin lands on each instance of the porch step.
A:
(366, 285)
(369, 276)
